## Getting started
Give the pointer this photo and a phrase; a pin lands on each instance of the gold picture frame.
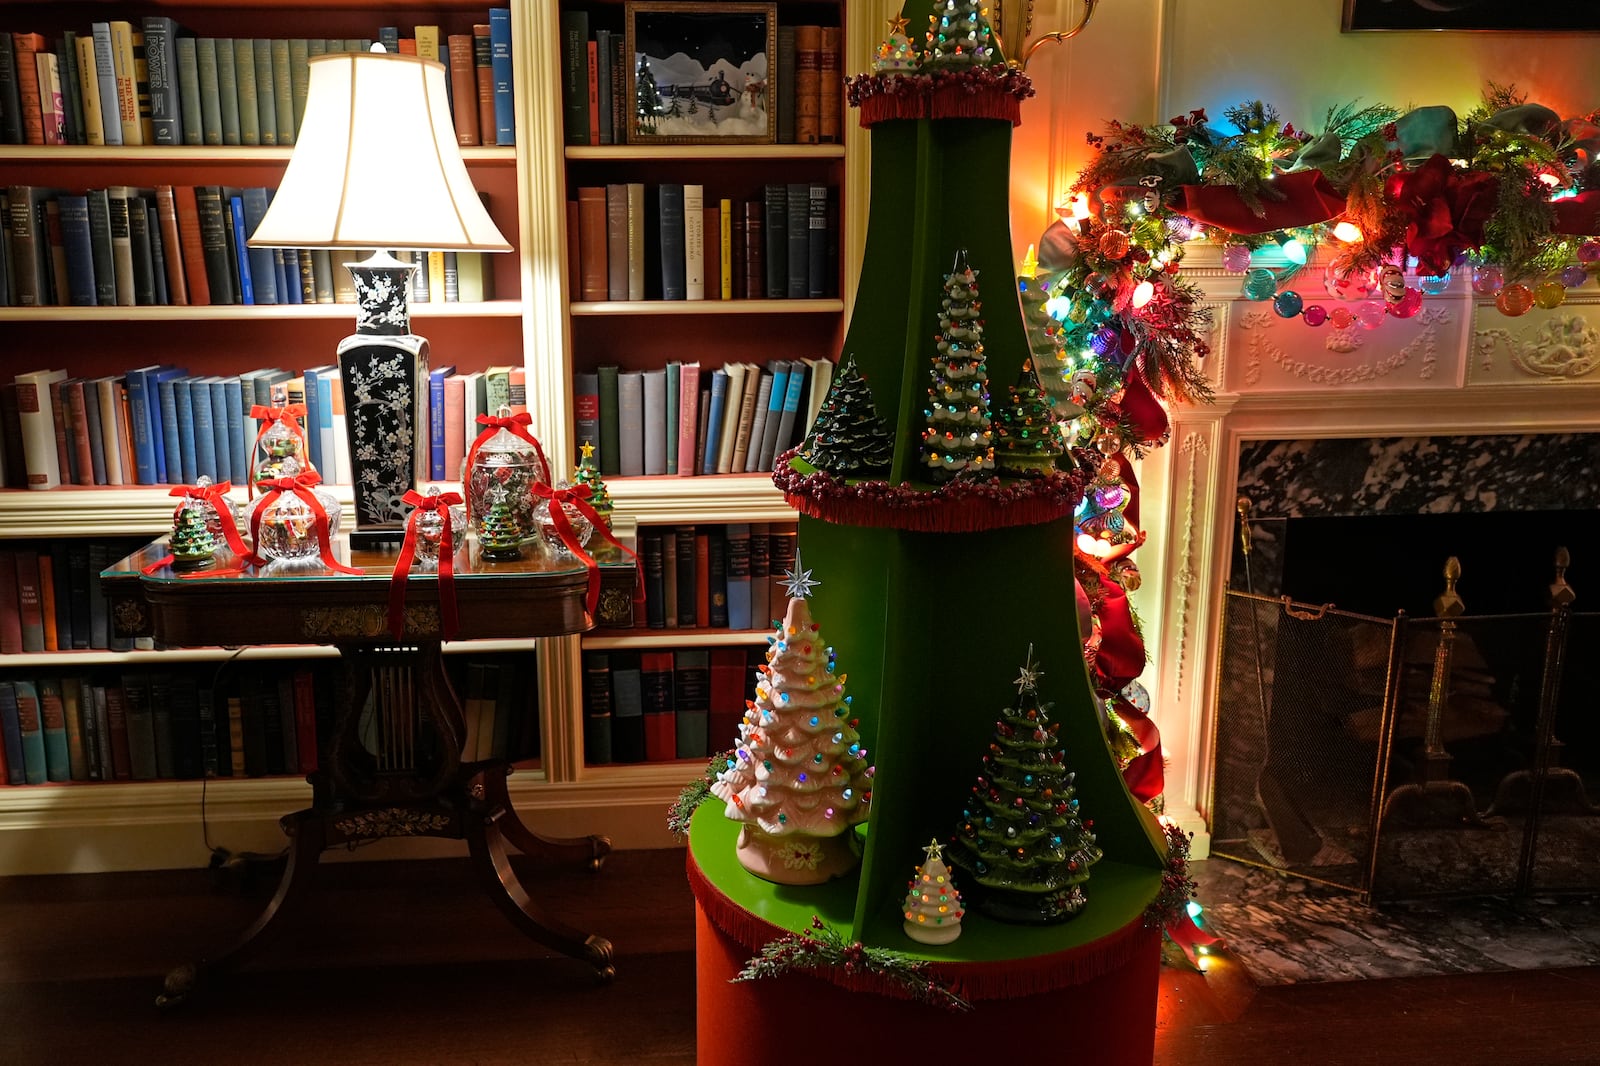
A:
(701, 73)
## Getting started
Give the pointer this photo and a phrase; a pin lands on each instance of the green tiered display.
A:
(932, 586)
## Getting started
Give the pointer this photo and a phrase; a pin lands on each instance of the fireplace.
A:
(1400, 709)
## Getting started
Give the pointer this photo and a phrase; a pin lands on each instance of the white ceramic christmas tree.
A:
(799, 778)
(933, 906)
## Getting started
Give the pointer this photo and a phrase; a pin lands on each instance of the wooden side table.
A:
(393, 766)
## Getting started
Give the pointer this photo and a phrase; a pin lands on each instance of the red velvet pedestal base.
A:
(799, 1020)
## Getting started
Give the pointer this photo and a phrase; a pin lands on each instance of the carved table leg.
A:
(554, 850)
(306, 842)
(486, 844)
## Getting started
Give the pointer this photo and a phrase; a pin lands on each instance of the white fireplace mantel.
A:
(1458, 367)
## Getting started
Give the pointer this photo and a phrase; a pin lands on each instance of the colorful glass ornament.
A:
(1589, 252)
(430, 532)
(1434, 284)
(1114, 244)
(1260, 284)
(581, 527)
(1314, 314)
(1344, 281)
(1549, 294)
(1573, 275)
(1287, 303)
(1514, 300)
(1368, 314)
(285, 530)
(280, 444)
(1236, 257)
(1487, 279)
(1408, 304)
(1340, 318)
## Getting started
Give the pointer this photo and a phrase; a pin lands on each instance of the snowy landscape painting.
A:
(700, 72)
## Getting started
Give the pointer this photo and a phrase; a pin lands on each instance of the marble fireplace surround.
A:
(1457, 369)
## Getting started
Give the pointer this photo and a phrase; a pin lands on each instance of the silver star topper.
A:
(798, 584)
(1028, 679)
(933, 851)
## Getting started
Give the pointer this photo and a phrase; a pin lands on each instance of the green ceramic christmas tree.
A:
(191, 543)
(499, 534)
(587, 474)
(1027, 439)
(849, 439)
(958, 438)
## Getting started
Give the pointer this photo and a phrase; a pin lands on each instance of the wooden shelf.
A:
(709, 152)
(213, 312)
(674, 638)
(706, 307)
(186, 155)
(710, 498)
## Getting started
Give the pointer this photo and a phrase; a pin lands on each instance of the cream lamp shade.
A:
(376, 165)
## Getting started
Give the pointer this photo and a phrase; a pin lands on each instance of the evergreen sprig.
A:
(824, 948)
(681, 813)
(1177, 887)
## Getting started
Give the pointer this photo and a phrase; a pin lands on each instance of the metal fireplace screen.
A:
(1406, 757)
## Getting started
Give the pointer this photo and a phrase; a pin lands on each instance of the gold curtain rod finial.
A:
(1448, 604)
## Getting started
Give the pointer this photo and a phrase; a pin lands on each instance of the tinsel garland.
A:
(822, 948)
(969, 92)
(694, 793)
(962, 505)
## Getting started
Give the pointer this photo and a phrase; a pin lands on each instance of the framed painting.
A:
(1542, 16)
(701, 73)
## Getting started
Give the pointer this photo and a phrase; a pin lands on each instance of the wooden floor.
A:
(404, 964)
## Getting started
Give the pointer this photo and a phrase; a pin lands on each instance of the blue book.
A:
(791, 409)
(436, 378)
(11, 731)
(505, 119)
(737, 555)
(291, 276)
(324, 428)
(280, 270)
(34, 766)
(779, 368)
(171, 446)
(145, 468)
(221, 432)
(313, 418)
(674, 281)
(203, 429)
(158, 430)
(238, 447)
(97, 442)
(247, 291)
(719, 397)
(389, 37)
(79, 250)
(53, 724)
(263, 264)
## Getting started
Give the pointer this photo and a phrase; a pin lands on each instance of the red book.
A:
(65, 454)
(25, 46)
(755, 260)
(728, 695)
(73, 400)
(305, 720)
(194, 255)
(483, 67)
(117, 724)
(594, 277)
(712, 244)
(30, 600)
(660, 723)
(594, 93)
(463, 88)
(688, 417)
(10, 609)
(167, 218)
(47, 602)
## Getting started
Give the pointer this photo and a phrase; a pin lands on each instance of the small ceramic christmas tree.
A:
(1027, 437)
(849, 439)
(1020, 836)
(191, 542)
(933, 906)
(499, 534)
(588, 474)
(798, 779)
(896, 54)
(959, 36)
(959, 438)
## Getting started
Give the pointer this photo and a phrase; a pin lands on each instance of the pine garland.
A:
(1177, 887)
(824, 948)
(681, 813)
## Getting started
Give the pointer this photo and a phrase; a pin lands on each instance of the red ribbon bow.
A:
(293, 412)
(578, 499)
(299, 485)
(420, 505)
(517, 425)
(210, 494)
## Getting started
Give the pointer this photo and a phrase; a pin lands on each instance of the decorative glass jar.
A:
(286, 528)
(280, 447)
(503, 470)
(582, 528)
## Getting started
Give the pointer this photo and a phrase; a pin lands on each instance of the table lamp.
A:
(375, 166)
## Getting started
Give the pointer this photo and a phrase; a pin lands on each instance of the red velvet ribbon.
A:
(578, 499)
(420, 505)
(299, 485)
(267, 416)
(1307, 198)
(517, 425)
(210, 494)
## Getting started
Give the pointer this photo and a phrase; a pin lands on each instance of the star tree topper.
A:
(934, 850)
(587, 450)
(798, 583)
(1028, 679)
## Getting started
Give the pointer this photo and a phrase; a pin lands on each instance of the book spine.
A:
(249, 107)
(694, 247)
(725, 269)
(655, 421)
(27, 46)
(282, 89)
(266, 90)
(798, 241)
(616, 242)
(127, 85)
(717, 579)
(31, 727)
(688, 417)
(785, 84)
(230, 112)
(71, 86)
(828, 85)
(161, 64)
(777, 241)
(817, 267)
(673, 372)
(172, 246)
(630, 424)
(299, 81)
(674, 282)
(807, 84)
(592, 248)
(463, 89)
(737, 555)
(636, 241)
(52, 109)
(574, 77)
(191, 114)
(79, 244)
(685, 555)
(38, 422)
(714, 417)
(610, 461)
(483, 68)
(500, 61)
(10, 97)
(94, 120)
(650, 556)
(586, 411)
(597, 708)
(105, 72)
(601, 101)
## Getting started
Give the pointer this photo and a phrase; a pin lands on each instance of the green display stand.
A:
(931, 627)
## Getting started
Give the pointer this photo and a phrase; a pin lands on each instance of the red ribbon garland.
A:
(267, 416)
(300, 485)
(516, 425)
(210, 494)
(408, 549)
(578, 499)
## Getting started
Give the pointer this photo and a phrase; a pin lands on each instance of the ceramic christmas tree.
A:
(958, 36)
(959, 438)
(932, 905)
(588, 474)
(849, 439)
(896, 53)
(798, 779)
(1020, 837)
(500, 535)
(192, 544)
(1027, 439)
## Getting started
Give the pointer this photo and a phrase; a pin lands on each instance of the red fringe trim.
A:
(946, 101)
(960, 506)
(1008, 979)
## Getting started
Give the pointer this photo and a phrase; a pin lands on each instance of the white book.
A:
(694, 242)
(111, 426)
(821, 379)
(655, 421)
(758, 425)
(472, 408)
(730, 417)
(39, 427)
(630, 421)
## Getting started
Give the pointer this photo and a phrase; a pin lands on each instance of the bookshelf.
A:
(534, 321)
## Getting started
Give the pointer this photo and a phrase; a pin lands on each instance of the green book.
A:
(674, 377)
(189, 108)
(227, 89)
(205, 50)
(299, 79)
(282, 90)
(610, 426)
(72, 89)
(469, 276)
(32, 729)
(266, 98)
(244, 69)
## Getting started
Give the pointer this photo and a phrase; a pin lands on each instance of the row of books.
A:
(198, 720)
(656, 706)
(181, 245)
(152, 83)
(801, 86)
(714, 576)
(51, 598)
(685, 420)
(161, 425)
(783, 246)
